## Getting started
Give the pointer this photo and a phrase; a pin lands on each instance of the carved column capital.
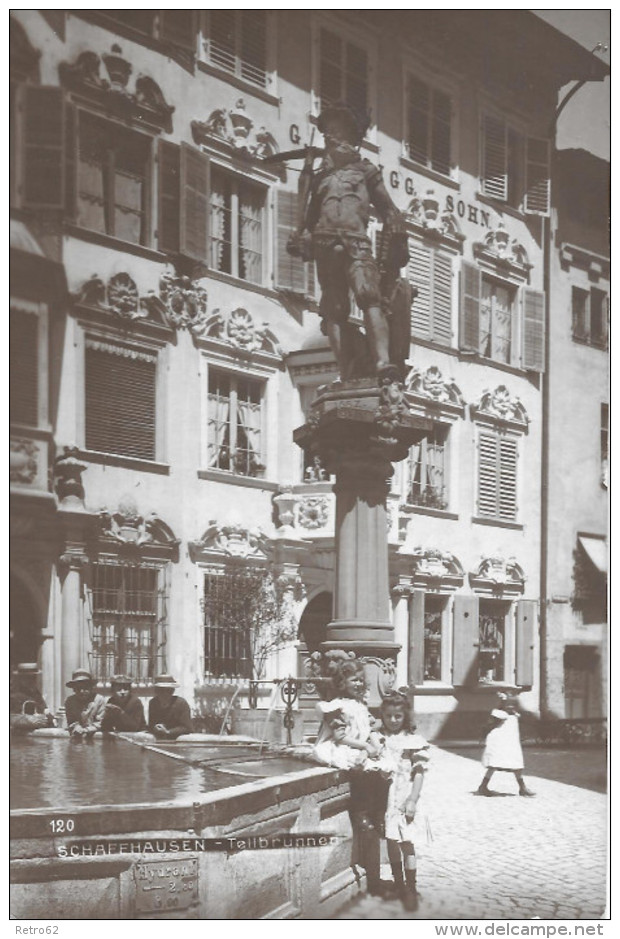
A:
(72, 559)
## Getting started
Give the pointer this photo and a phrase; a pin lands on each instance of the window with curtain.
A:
(237, 42)
(343, 71)
(429, 118)
(127, 620)
(496, 312)
(427, 478)
(590, 315)
(113, 175)
(235, 420)
(236, 227)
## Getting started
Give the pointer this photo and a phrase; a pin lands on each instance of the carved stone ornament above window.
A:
(498, 574)
(141, 100)
(23, 57)
(498, 250)
(230, 541)
(239, 329)
(182, 302)
(500, 405)
(23, 462)
(432, 385)
(433, 565)
(119, 297)
(128, 529)
(234, 130)
(423, 212)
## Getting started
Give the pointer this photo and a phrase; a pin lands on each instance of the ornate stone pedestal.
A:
(359, 429)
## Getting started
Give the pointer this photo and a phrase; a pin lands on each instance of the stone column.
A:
(401, 594)
(72, 649)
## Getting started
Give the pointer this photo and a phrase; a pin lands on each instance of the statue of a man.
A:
(333, 231)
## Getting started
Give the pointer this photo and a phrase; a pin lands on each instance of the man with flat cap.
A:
(84, 708)
(27, 707)
(123, 711)
(169, 714)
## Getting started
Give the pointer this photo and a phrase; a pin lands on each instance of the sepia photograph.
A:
(309, 468)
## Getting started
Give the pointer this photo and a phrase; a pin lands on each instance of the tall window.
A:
(433, 616)
(515, 168)
(491, 634)
(128, 621)
(226, 635)
(113, 174)
(120, 393)
(589, 313)
(343, 71)
(497, 476)
(237, 43)
(496, 312)
(234, 434)
(24, 368)
(236, 215)
(430, 271)
(427, 476)
(428, 125)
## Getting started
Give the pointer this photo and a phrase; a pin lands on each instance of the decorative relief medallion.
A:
(424, 211)
(119, 296)
(435, 564)
(235, 129)
(497, 571)
(128, 527)
(23, 461)
(497, 248)
(313, 512)
(239, 329)
(431, 384)
(501, 404)
(232, 540)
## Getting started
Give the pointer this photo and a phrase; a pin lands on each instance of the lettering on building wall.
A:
(294, 134)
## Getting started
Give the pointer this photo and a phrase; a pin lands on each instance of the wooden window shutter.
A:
(441, 329)
(178, 27)
(527, 621)
(466, 641)
(222, 38)
(290, 271)
(441, 151)
(253, 52)
(494, 158)
(44, 147)
(471, 289)
(419, 269)
(418, 106)
(331, 75)
(508, 455)
(533, 351)
(415, 654)
(194, 210)
(169, 193)
(24, 368)
(488, 475)
(120, 400)
(537, 176)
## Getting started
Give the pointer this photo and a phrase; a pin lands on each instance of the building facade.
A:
(164, 345)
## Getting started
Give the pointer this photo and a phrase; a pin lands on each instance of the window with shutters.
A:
(496, 320)
(344, 69)
(590, 316)
(177, 27)
(429, 270)
(120, 399)
(497, 476)
(24, 367)
(235, 424)
(491, 639)
(127, 620)
(434, 607)
(515, 168)
(236, 210)
(428, 125)
(237, 41)
(112, 179)
(291, 273)
(427, 476)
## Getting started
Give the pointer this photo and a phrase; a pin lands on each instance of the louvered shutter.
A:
(415, 658)
(419, 276)
(222, 38)
(120, 400)
(465, 645)
(471, 285)
(418, 106)
(488, 475)
(537, 176)
(290, 271)
(441, 133)
(253, 52)
(194, 214)
(507, 478)
(527, 621)
(494, 159)
(356, 90)
(178, 27)
(533, 352)
(44, 147)
(169, 194)
(24, 368)
(331, 68)
(441, 313)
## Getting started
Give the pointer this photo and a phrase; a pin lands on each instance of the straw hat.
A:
(27, 668)
(165, 681)
(80, 677)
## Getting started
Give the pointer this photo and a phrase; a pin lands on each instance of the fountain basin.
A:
(132, 871)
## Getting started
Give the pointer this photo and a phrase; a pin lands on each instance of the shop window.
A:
(344, 71)
(237, 42)
(427, 477)
(433, 622)
(429, 118)
(113, 179)
(128, 619)
(590, 315)
(491, 637)
(24, 368)
(120, 400)
(235, 424)
(236, 227)
(515, 168)
(429, 270)
(497, 476)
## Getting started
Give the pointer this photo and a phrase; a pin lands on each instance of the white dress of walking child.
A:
(503, 743)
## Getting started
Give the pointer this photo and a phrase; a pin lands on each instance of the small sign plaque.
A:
(166, 885)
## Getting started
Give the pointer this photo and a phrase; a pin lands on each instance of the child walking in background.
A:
(404, 825)
(503, 752)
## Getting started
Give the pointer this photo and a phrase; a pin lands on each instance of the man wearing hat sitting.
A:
(84, 708)
(169, 714)
(27, 707)
(124, 710)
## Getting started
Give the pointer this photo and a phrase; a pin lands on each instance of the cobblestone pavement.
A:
(511, 857)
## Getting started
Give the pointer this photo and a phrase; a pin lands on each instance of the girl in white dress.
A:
(503, 752)
(404, 824)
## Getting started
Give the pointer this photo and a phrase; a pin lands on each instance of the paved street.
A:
(511, 857)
